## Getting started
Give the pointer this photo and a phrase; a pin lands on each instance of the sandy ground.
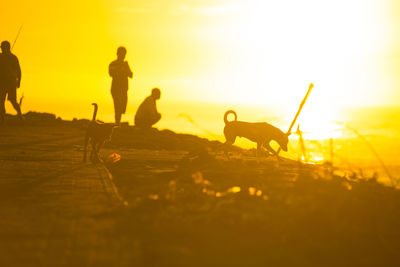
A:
(176, 200)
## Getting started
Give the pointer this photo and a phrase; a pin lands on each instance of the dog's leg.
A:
(85, 147)
(93, 151)
(269, 148)
(226, 148)
(221, 148)
(259, 149)
(99, 145)
(228, 143)
(230, 139)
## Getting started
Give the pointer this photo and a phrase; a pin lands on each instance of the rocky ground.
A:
(165, 199)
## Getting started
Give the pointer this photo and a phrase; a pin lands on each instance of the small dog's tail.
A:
(227, 114)
(95, 111)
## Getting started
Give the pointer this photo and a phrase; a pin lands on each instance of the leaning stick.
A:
(20, 100)
(302, 144)
(16, 38)
(15, 41)
(310, 87)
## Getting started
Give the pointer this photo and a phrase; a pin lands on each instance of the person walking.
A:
(10, 80)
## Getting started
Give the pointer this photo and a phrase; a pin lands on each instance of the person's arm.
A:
(112, 69)
(128, 70)
(154, 107)
(19, 74)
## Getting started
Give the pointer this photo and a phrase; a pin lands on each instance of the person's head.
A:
(156, 93)
(121, 52)
(5, 47)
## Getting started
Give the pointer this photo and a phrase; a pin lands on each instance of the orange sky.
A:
(255, 52)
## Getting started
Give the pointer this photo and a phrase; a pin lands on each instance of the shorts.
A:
(9, 91)
(120, 100)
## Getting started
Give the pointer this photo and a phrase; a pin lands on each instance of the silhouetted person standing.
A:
(147, 114)
(120, 71)
(10, 79)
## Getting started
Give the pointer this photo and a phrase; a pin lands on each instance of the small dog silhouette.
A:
(261, 133)
(98, 133)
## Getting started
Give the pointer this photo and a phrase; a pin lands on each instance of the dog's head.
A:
(283, 142)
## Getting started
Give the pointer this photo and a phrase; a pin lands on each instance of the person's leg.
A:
(118, 116)
(12, 97)
(3, 94)
(124, 101)
(155, 119)
(148, 121)
(142, 122)
(117, 107)
(120, 105)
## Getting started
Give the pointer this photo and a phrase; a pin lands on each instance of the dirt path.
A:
(54, 210)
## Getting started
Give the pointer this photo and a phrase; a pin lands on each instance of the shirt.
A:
(148, 108)
(10, 70)
(119, 71)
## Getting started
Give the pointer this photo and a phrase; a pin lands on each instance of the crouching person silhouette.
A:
(147, 114)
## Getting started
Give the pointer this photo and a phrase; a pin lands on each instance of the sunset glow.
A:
(261, 53)
(199, 133)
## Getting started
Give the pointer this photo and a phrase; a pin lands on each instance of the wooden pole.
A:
(16, 38)
(302, 144)
(310, 87)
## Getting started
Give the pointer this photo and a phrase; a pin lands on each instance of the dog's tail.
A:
(95, 111)
(227, 114)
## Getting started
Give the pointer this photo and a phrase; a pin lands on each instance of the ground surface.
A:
(174, 200)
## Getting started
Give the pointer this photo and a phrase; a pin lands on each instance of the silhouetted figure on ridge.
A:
(120, 71)
(147, 114)
(10, 79)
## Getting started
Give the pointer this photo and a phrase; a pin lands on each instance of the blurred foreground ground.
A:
(175, 200)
